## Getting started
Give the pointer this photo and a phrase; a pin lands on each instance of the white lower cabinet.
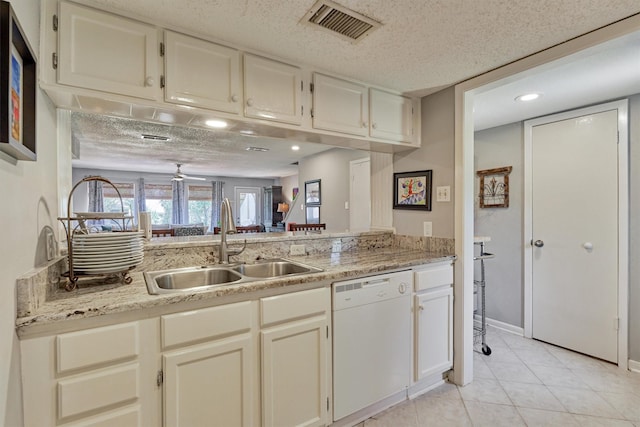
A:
(295, 359)
(433, 307)
(95, 377)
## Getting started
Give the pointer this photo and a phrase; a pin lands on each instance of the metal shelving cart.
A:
(479, 285)
(74, 225)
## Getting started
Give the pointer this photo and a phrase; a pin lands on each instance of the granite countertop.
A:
(103, 300)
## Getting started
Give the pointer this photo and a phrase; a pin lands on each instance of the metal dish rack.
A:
(480, 326)
(76, 225)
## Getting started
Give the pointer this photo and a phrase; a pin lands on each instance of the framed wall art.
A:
(412, 190)
(312, 196)
(17, 89)
(494, 187)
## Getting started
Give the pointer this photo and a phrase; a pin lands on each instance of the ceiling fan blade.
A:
(196, 178)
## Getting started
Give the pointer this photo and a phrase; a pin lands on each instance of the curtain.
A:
(141, 200)
(179, 205)
(216, 200)
(96, 200)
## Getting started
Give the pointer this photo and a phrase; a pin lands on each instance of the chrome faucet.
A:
(227, 225)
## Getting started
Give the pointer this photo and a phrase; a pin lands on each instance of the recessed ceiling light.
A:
(528, 97)
(295, 147)
(218, 124)
(256, 149)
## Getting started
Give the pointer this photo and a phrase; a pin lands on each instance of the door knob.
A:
(588, 246)
(538, 243)
(149, 81)
(250, 102)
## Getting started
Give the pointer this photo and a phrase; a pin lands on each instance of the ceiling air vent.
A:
(340, 21)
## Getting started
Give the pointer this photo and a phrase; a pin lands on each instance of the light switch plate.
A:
(428, 228)
(443, 194)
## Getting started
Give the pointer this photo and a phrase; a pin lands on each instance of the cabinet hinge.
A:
(311, 87)
(312, 113)
(327, 331)
(327, 404)
(55, 22)
(54, 60)
(161, 49)
(616, 323)
(618, 137)
(160, 378)
(161, 82)
(301, 86)
(302, 110)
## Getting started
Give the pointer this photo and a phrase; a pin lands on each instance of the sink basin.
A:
(274, 268)
(200, 278)
(188, 279)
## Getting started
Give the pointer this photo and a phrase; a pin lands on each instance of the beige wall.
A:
(437, 154)
(29, 194)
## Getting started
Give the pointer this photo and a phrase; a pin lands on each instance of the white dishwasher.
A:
(371, 340)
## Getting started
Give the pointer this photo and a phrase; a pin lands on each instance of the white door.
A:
(202, 73)
(272, 90)
(574, 185)
(294, 363)
(108, 53)
(391, 116)
(360, 195)
(340, 105)
(247, 206)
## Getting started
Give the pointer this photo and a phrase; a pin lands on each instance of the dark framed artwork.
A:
(17, 89)
(494, 187)
(312, 195)
(412, 190)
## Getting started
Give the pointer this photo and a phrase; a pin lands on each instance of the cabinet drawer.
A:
(97, 390)
(295, 305)
(207, 323)
(433, 276)
(98, 346)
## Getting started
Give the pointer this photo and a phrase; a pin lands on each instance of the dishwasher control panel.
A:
(370, 289)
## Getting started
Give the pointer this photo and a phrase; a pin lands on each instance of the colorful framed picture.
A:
(412, 190)
(15, 96)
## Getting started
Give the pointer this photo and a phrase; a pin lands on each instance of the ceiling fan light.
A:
(295, 147)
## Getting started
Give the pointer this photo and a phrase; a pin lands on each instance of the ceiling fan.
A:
(179, 176)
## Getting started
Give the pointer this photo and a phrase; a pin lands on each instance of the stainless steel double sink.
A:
(201, 278)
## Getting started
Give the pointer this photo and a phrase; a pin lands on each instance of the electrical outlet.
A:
(51, 246)
(443, 194)
(297, 250)
(428, 228)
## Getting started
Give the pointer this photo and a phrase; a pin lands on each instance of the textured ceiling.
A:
(422, 45)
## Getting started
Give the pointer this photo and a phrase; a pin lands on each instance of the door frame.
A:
(259, 202)
(623, 216)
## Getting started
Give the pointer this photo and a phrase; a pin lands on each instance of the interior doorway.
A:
(247, 205)
(575, 227)
(360, 195)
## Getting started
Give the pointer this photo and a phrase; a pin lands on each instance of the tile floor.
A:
(526, 383)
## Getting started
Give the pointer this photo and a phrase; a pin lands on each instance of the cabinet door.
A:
(434, 332)
(272, 90)
(209, 384)
(201, 73)
(108, 53)
(391, 116)
(294, 384)
(339, 105)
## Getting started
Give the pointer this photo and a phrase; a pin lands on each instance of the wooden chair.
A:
(161, 232)
(306, 227)
(249, 229)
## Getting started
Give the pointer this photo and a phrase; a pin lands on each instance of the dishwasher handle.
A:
(376, 282)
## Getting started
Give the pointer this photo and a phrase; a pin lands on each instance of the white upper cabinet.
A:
(391, 116)
(340, 105)
(272, 90)
(105, 52)
(201, 73)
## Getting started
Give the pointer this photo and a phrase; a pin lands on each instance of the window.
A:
(159, 202)
(111, 200)
(200, 205)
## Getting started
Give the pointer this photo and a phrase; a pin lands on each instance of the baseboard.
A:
(506, 327)
(634, 365)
